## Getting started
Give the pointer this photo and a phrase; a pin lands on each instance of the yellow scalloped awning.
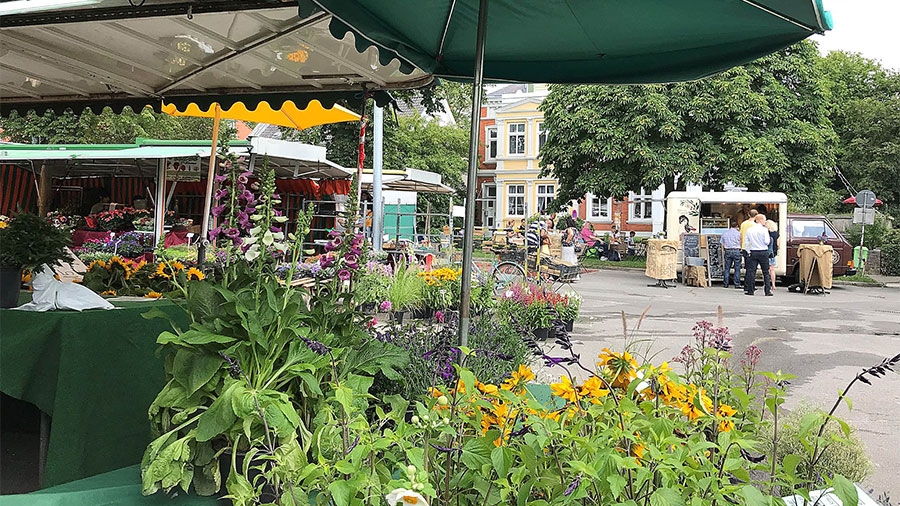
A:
(288, 116)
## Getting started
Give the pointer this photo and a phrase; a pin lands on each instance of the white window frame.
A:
(590, 199)
(642, 201)
(513, 138)
(542, 135)
(544, 198)
(492, 143)
(512, 207)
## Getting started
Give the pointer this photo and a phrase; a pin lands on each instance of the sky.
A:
(864, 26)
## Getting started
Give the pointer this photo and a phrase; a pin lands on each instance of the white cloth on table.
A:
(568, 255)
(50, 294)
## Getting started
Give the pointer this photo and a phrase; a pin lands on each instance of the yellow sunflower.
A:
(161, 271)
(153, 295)
(97, 263)
(194, 273)
(177, 266)
(111, 293)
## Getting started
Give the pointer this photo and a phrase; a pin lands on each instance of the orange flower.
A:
(593, 389)
(518, 378)
(111, 293)
(161, 271)
(621, 366)
(153, 295)
(724, 413)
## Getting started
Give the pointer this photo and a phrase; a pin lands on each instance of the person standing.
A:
(745, 225)
(533, 238)
(731, 245)
(567, 244)
(772, 227)
(756, 245)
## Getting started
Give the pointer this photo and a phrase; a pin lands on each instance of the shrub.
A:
(877, 235)
(845, 456)
(890, 259)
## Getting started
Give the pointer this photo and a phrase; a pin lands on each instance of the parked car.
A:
(807, 229)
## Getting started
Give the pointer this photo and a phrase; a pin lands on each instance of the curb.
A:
(857, 283)
(616, 268)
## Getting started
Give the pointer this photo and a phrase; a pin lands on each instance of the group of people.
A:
(536, 236)
(606, 250)
(753, 242)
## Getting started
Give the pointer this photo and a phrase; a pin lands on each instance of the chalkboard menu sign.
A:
(691, 245)
(716, 262)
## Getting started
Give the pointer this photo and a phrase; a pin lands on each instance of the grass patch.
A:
(859, 278)
(593, 263)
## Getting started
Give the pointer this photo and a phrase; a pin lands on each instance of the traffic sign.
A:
(864, 216)
(865, 199)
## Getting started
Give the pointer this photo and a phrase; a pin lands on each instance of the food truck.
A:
(712, 213)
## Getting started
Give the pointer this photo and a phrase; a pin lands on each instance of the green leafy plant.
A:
(405, 292)
(890, 259)
(29, 241)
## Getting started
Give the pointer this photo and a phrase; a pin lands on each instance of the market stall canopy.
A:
(580, 41)
(852, 200)
(288, 115)
(412, 180)
(111, 53)
(290, 160)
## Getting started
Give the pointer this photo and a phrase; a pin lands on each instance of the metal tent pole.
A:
(160, 213)
(377, 165)
(471, 179)
(210, 181)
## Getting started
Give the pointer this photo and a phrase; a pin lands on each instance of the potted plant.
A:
(26, 243)
(405, 292)
(440, 290)
(567, 310)
(539, 318)
(371, 289)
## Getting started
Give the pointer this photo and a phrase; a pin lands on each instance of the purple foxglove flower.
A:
(329, 247)
(232, 233)
(337, 241)
(274, 229)
(220, 194)
(334, 233)
(325, 261)
(218, 210)
(247, 195)
(244, 177)
(214, 233)
(439, 316)
(385, 306)
(220, 177)
(344, 274)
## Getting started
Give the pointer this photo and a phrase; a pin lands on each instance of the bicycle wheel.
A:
(505, 274)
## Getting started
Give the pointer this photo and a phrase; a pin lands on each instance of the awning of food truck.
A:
(110, 53)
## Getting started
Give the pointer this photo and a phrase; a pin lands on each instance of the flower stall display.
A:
(27, 242)
(373, 285)
(567, 307)
(531, 307)
(119, 276)
(405, 292)
(67, 222)
(126, 245)
(441, 289)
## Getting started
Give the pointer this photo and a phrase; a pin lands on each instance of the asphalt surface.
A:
(822, 339)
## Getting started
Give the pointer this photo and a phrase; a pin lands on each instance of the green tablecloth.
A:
(95, 373)
(117, 488)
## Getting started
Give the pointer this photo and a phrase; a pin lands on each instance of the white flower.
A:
(508, 294)
(252, 253)
(407, 497)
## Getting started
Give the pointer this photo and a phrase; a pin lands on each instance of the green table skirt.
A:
(121, 487)
(95, 373)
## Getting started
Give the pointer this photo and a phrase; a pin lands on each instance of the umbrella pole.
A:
(210, 180)
(471, 179)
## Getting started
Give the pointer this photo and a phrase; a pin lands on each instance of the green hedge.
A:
(890, 259)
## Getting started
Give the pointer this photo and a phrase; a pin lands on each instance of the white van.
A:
(714, 212)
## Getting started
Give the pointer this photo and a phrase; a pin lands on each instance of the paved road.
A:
(823, 340)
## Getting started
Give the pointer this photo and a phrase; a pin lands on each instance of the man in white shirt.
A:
(756, 244)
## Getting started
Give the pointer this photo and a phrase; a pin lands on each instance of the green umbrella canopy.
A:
(579, 41)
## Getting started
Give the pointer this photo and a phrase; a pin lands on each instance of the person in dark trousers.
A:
(756, 244)
(731, 245)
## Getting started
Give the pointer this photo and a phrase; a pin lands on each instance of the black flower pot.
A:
(368, 308)
(570, 324)
(10, 282)
(541, 334)
(398, 317)
(423, 314)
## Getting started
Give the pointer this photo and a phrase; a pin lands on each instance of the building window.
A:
(516, 195)
(641, 207)
(597, 207)
(545, 194)
(542, 135)
(517, 138)
(491, 147)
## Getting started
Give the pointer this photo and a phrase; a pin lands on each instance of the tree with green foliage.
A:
(108, 127)
(864, 107)
(762, 125)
